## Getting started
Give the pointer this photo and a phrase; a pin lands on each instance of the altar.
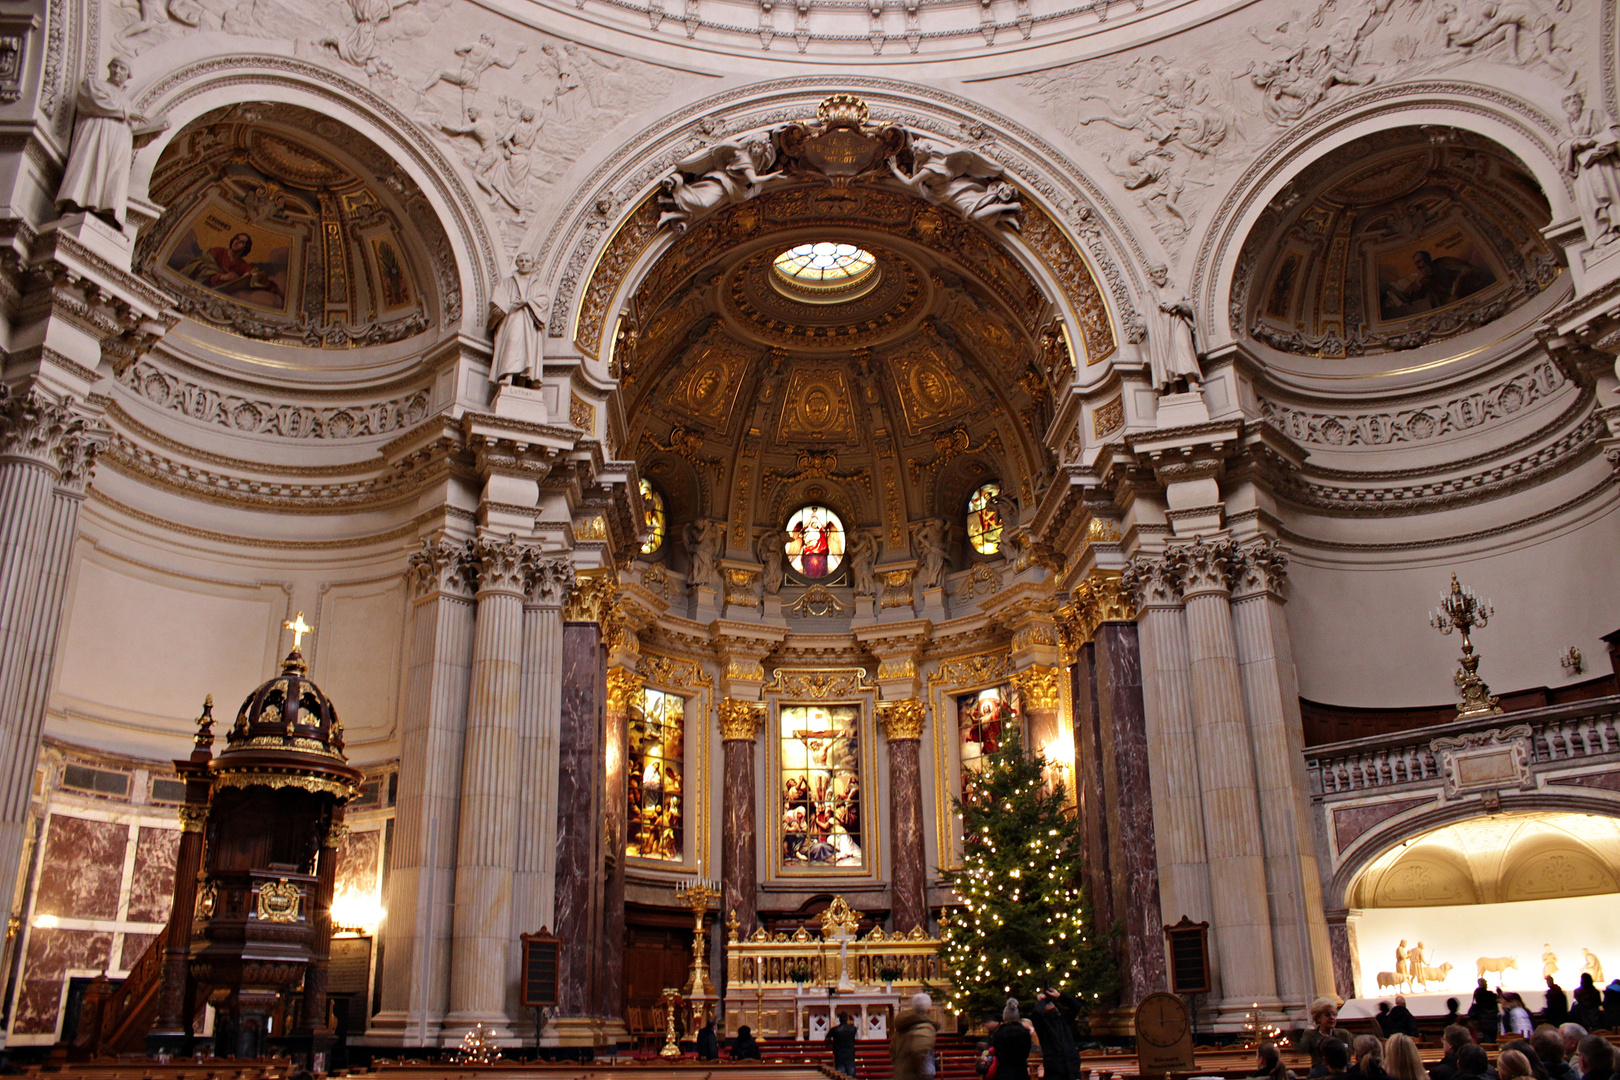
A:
(793, 986)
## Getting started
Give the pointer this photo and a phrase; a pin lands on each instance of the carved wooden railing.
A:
(1554, 735)
(116, 1018)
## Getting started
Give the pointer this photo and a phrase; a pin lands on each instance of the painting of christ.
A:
(984, 718)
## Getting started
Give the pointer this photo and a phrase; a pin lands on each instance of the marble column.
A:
(486, 844)
(902, 723)
(539, 716)
(624, 689)
(579, 829)
(1123, 747)
(1092, 783)
(47, 450)
(416, 935)
(1173, 776)
(1341, 939)
(1231, 811)
(1271, 697)
(739, 846)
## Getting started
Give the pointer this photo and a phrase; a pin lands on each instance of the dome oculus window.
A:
(984, 523)
(815, 543)
(652, 515)
(824, 273)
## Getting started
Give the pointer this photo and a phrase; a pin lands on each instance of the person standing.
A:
(1485, 1012)
(1557, 1010)
(911, 1048)
(1051, 1028)
(842, 1040)
(1401, 1020)
(1011, 1043)
(708, 1044)
(1324, 1021)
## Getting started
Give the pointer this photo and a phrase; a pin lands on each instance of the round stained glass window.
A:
(815, 544)
(824, 273)
(652, 515)
(984, 521)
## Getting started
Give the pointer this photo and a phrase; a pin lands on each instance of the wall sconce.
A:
(1572, 662)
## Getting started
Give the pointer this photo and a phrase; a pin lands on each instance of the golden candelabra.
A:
(697, 895)
(672, 1043)
(1462, 611)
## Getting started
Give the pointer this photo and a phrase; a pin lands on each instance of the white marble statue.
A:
(103, 149)
(703, 540)
(1592, 157)
(961, 180)
(520, 335)
(1174, 357)
(723, 174)
(929, 539)
(862, 551)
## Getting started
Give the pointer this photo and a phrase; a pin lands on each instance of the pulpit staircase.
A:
(116, 1016)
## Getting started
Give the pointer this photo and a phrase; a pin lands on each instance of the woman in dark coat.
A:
(1011, 1044)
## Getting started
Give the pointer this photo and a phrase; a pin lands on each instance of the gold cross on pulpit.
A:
(299, 628)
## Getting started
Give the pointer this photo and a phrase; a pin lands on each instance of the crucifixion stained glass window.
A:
(655, 826)
(821, 786)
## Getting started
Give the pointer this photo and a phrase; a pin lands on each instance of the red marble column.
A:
(579, 740)
(908, 884)
(739, 850)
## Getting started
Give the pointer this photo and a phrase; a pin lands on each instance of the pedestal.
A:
(705, 603)
(933, 604)
(520, 403)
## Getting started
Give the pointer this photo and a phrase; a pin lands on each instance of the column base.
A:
(399, 1028)
(498, 1028)
(574, 1031)
(1238, 1014)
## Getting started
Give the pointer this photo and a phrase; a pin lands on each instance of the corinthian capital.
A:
(1154, 580)
(623, 688)
(439, 566)
(501, 565)
(1262, 568)
(901, 719)
(52, 433)
(740, 720)
(551, 581)
(1208, 567)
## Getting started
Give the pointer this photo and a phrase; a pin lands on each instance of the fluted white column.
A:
(1173, 780)
(416, 932)
(539, 717)
(1237, 873)
(46, 452)
(486, 847)
(1299, 928)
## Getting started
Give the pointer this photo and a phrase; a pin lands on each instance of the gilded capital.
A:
(1038, 686)
(740, 720)
(623, 687)
(901, 719)
(193, 818)
(592, 596)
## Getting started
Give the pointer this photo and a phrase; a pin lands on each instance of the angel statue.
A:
(725, 173)
(930, 541)
(961, 180)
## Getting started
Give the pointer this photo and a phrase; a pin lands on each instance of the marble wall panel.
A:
(82, 870)
(134, 945)
(151, 890)
(359, 863)
(50, 954)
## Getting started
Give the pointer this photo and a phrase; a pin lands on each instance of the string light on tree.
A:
(1021, 895)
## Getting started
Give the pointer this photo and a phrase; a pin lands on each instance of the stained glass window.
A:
(655, 825)
(821, 786)
(825, 262)
(815, 544)
(984, 719)
(983, 520)
(652, 514)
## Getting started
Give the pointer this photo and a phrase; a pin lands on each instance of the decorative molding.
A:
(1107, 418)
(262, 416)
(901, 719)
(819, 684)
(816, 600)
(740, 720)
(979, 669)
(674, 672)
(1485, 760)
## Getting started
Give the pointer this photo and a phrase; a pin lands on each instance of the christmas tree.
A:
(1025, 924)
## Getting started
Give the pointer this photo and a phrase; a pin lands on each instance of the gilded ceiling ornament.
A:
(951, 444)
(817, 406)
(740, 720)
(901, 719)
(686, 442)
(982, 580)
(816, 600)
(714, 377)
(741, 586)
(927, 386)
(1108, 418)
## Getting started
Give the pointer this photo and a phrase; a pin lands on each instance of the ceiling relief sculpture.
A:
(274, 233)
(1393, 242)
(816, 407)
(708, 390)
(927, 386)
